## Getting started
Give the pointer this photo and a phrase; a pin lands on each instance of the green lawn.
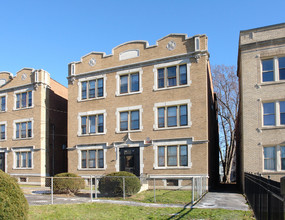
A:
(111, 211)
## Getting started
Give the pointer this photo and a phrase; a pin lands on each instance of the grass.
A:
(111, 211)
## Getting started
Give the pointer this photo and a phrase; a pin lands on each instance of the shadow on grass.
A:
(182, 212)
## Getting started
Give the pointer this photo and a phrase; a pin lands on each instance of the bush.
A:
(13, 204)
(68, 183)
(112, 184)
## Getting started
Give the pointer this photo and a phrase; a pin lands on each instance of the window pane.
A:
(18, 159)
(83, 124)
(282, 157)
(172, 116)
(30, 98)
(83, 159)
(84, 90)
(267, 65)
(92, 124)
(267, 70)
(281, 68)
(161, 117)
(18, 101)
(100, 123)
(3, 103)
(100, 88)
(161, 156)
(2, 132)
(29, 159)
(24, 159)
(24, 100)
(171, 74)
(124, 121)
(24, 130)
(183, 155)
(92, 89)
(92, 161)
(172, 155)
(18, 130)
(29, 129)
(135, 120)
(282, 112)
(124, 84)
(183, 115)
(183, 75)
(134, 82)
(100, 159)
(160, 78)
(269, 158)
(269, 113)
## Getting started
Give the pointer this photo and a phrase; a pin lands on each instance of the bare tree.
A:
(225, 82)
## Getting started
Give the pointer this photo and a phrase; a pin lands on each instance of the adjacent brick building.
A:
(33, 122)
(149, 110)
(261, 71)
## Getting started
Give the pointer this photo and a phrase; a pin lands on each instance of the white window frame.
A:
(169, 104)
(92, 147)
(90, 113)
(174, 142)
(6, 100)
(277, 114)
(86, 79)
(197, 43)
(277, 158)
(129, 72)
(276, 76)
(21, 121)
(5, 151)
(3, 123)
(124, 109)
(22, 149)
(169, 64)
(23, 91)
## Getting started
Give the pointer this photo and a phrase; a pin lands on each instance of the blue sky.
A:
(50, 34)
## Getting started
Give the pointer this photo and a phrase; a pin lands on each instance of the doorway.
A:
(2, 162)
(130, 160)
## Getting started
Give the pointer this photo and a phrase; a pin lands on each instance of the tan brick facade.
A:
(29, 100)
(138, 57)
(257, 130)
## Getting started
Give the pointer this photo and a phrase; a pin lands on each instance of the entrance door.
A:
(130, 160)
(2, 162)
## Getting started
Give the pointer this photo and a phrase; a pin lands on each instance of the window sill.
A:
(87, 169)
(171, 128)
(3, 111)
(87, 135)
(273, 127)
(92, 99)
(29, 168)
(171, 87)
(171, 168)
(272, 83)
(129, 131)
(129, 93)
(2, 140)
(19, 109)
(20, 139)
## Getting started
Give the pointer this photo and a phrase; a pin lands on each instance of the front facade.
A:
(149, 110)
(261, 71)
(31, 133)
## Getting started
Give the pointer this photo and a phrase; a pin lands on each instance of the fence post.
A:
(282, 183)
(51, 190)
(124, 193)
(193, 189)
(91, 193)
(154, 198)
(95, 187)
(269, 198)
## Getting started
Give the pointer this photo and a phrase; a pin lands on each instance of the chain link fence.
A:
(170, 190)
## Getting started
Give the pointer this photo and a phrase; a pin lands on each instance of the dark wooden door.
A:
(130, 160)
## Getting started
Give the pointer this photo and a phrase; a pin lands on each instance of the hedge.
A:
(68, 183)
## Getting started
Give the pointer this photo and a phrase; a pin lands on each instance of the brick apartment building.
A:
(149, 110)
(261, 71)
(33, 125)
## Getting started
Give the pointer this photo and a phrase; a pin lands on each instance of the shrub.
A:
(112, 184)
(68, 183)
(13, 204)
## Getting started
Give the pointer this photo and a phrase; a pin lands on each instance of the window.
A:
(3, 132)
(129, 119)
(3, 103)
(274, 113)
(92, 124)
(92, 89)
(24, 159)
(129, 82)
(24, 100)
(23, 129)
(273, 69)
(282, 157)
(269, 158)
(274, 158)
(172, 114)
(91, 158)
(174, 156)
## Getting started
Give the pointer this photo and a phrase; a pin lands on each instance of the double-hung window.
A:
(172, 76)
(92, 89)
(3, 131)
(172, 114)
(24, 100)
(129, 82)
(170, 156)
(274, 158)
(23, 129)
(93, 158)
(92, 124)
(129, 119)
(273, 69)
(274, 113)
(3, 103)
(23, 159)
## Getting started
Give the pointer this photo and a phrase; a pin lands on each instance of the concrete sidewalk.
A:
(222, 200)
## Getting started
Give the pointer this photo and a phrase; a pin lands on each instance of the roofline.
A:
(274, 26)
